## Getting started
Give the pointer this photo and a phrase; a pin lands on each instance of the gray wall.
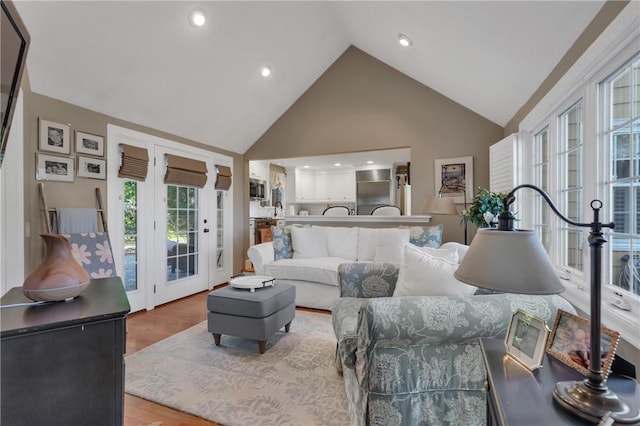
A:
(361, 104)
(81, 192)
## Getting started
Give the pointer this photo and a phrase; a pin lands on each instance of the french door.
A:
(165, 236)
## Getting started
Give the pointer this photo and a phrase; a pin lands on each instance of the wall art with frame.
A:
(569, 342)
(527, 338)
(54, 137)
(454, 178)
(87, 143)
(54, 168)
(89, 167)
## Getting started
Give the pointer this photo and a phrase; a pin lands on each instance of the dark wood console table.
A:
(63, 363)
(520, 397)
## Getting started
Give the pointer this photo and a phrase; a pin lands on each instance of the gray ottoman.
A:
(251, 315)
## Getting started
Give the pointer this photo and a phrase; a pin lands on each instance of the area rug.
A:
(293, 383)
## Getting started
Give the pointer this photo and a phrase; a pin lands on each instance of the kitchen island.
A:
(359, 220)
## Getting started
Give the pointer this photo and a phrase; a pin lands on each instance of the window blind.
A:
(185, 171)
(135, 162)
(223, 177)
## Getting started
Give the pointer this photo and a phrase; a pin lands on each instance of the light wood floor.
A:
(147, 327)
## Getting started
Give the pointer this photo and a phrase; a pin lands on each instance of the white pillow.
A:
(460, 248)
(424, 275)
(450, 255)
(390, 244)
(367, 243)
(308, 242)
(342, 242)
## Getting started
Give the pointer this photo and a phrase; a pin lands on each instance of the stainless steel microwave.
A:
(257, 189)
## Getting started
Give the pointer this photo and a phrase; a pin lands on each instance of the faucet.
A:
(275, 208)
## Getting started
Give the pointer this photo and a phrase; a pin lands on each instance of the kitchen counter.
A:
(359, 220)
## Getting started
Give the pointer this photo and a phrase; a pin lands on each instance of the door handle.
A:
(205, 230)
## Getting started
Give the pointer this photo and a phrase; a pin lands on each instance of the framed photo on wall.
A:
(86, 143)
(93, 168)
(54, 137)
(54, 168)
(454, 178)
(569, 342)
(527, 338)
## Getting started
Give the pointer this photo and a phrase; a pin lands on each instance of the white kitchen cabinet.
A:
(259, 170)
(305, 186)
(346, 185)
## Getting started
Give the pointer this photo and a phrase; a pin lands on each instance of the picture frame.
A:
(569, 343)
(527, 338)
(54, 168)
(454, 178)
(87, 143)
(94, 168)
(54, 137)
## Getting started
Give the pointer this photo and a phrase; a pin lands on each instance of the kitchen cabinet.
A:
(259, 170)
(305, 186)
(335, 186)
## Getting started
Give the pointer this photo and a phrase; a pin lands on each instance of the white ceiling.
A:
(142, 62)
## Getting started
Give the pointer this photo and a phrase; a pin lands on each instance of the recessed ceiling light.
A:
(197, 17)
(404, 40)
(369, 162)
(305, 167)
(337, 164)
(265, 71)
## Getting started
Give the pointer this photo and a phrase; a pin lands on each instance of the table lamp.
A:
(445, 206)
(514, 261)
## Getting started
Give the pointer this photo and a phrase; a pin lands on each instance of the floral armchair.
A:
(416, 359)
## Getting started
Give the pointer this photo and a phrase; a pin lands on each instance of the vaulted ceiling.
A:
(142, 61)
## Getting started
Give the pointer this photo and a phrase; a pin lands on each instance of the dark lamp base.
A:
(593, 405)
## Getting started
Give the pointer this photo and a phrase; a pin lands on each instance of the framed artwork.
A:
(86, 143)
(54, 168)
(54, 137)
(527, 338)
(454, 178)
(569, 342)
(92, 168)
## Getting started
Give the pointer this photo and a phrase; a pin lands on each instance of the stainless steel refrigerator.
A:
(373, 188)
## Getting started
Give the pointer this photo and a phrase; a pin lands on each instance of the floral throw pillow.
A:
(281, 242)
(93, 252)
(426, 236)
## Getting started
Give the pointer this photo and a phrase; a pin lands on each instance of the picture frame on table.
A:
(454, 178)
(94, 168)
(569, 342)
(54, 137)
(87, 143)
(526, 339)
(54, 168)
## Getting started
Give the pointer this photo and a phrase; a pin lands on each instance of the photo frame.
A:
(87, 143)
(527, 338)
(94, 168)
(54, 137)
(569, 342)
(454, 178)
(54, 168)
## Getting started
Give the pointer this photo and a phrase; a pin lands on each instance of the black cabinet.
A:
(63, 363)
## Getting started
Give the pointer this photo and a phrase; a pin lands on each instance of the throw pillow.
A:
(424, 275)
(390, 243)
(460, 248)
(448, 254)
(308, 242)
(342, 242)
(426, 236)
(281, 242)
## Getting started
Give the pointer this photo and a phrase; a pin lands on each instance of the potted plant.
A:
(484, 209)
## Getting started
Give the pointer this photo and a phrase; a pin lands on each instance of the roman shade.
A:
(223, 177)
(135, 162)
(185, 171)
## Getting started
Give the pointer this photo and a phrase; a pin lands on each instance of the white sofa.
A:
(316, 252)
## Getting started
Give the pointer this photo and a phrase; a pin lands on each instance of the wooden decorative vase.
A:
(59, 276)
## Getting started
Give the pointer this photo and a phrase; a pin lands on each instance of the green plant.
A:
(484, 201)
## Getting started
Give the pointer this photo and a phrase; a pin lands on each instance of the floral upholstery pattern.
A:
(426, 236)
(92, 251)
(281, 242)
(417, 360)
(366, 279)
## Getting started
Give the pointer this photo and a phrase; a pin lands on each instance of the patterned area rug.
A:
(293, 383)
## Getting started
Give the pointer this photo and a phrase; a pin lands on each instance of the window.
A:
(541, 179)
(620, 106)
(130, 235)
(570, 185)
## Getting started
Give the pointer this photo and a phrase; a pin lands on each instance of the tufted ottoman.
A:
(253, 315)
